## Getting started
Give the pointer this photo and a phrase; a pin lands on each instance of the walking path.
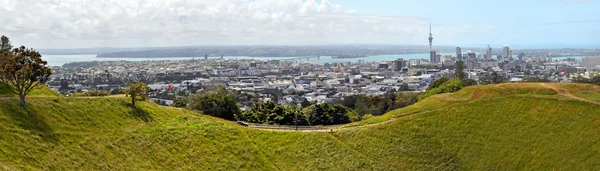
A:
(566, 93)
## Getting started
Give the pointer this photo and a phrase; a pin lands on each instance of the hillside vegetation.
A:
(496, 127)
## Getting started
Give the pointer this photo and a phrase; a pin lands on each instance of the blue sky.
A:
(151, 23)
(513, 21)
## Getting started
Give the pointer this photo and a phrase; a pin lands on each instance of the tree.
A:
(305, 103)
(136, 90)
(458, 72)
(218, 103)
(23, 70)
(468, 82)
(179, 103)
(5, 45)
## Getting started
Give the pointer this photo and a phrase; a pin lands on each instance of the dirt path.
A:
(566, 93)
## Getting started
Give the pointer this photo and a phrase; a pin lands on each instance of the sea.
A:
(59, 60)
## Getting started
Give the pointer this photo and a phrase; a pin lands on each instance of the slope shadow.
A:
(138, 113)
(29, 119)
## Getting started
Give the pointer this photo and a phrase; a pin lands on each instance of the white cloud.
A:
(134, 23)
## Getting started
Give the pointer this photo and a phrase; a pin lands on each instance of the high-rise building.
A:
(432, 57)
(399, 64)
(431, 51)
(205, 56)
(590, 62)
(488, 55)
(459, 53)
(505, 53)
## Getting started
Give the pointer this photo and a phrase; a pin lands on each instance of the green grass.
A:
(508, 127)
(39, 91)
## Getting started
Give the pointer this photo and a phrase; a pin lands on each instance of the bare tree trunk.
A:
(132, 100)
(22, 98)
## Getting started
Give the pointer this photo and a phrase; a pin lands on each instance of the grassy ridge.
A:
(504, 127)
(39, 91)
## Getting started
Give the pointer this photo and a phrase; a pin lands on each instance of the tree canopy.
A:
(23, 70)
(215, 102)
(137, 91)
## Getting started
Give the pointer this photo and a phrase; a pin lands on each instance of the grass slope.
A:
(504, 127)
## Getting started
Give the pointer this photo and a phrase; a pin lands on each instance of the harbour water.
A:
(59, 60)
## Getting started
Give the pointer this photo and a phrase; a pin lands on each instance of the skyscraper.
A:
(431, 51)
(458, 53)
(489, 53)
(505, 53)
(399, 64)
(205, 56)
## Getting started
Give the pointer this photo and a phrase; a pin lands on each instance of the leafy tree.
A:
(404, 87)
(179, 103)
(64, 85)
(305, 103)
(468, 82)
(438, 82)
(493, 78)
(218, 103)
(23, 70)
(5, 45)
(137, 91)
(327, 114)
(458, 72)
(115, 91)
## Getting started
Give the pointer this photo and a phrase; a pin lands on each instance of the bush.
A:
(367, 116)
(94, 93)
(180, 103)
(468, 82)
(448, 87)
(218, 104)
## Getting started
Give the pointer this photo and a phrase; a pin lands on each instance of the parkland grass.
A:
(496, 127)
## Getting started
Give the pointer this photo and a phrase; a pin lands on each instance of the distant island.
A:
(339, 51)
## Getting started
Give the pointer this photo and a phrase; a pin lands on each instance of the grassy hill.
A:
(501, 127)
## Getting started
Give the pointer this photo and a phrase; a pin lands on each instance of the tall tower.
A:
(430, 38)
(432, 55)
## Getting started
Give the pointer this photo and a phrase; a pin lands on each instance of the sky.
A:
(44, 24)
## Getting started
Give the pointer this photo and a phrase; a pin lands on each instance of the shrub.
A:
(367, 116)
(218, 104)
(94, 93)
(468, 82)
(448, 87)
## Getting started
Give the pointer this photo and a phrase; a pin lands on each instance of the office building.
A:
(459, 53)
(506, 53)
(399, 64)
(488, 54)
(590, 62)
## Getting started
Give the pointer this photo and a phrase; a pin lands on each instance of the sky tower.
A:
(430, 38)
(432, 55)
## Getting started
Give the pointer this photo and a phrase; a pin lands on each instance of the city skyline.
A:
(86, 24)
